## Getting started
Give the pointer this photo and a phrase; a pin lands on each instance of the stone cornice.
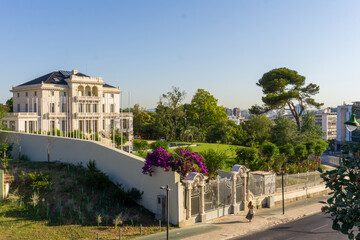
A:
(42, 86)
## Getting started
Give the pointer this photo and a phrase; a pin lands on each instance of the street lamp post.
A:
(351, 124)
(167, 209)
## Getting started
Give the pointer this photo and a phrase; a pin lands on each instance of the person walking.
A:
(251, 211)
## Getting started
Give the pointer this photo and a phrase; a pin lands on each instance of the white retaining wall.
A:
(120, 166)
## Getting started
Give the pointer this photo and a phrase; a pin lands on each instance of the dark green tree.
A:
(9, 105)
(284, 88)
(284, 131)
(309, 129)
(248, 156)
(204, 112)
(258, 130)
(269, 153)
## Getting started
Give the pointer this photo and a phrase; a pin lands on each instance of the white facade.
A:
(343, 114)
(67, 101)
(328, 123)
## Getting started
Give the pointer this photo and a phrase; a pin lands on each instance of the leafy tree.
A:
(214, 160)
(319, 149)
(344, 201)
(309, 129)
(248, 156)
(284, 88)
(258, 130)
(204, 112)
(284, 131)
(9, 105)
(117, 137)
(288, 150)
(170, 112)
(140, 119)
(190, 134)
(300, 154)
(222, 131)
(269, 152)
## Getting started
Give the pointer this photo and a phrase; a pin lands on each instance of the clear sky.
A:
(146, 47)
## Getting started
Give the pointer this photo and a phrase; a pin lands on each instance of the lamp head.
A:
(351, 124)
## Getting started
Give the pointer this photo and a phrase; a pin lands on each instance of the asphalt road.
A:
(317, 227)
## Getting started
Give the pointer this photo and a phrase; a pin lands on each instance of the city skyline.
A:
(148, 47)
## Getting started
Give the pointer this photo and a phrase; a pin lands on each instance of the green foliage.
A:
(156, 145)
(141, 146)
(203, 111)
(284, 131)
(269, 152)
(258, 130)
(247, 156)
(117, 137)
(214, 161)
(285, 88)
(287, 150)
(9, 104)
(309, 129)
(344, 201)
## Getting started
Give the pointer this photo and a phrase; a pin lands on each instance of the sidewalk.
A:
(236, 225)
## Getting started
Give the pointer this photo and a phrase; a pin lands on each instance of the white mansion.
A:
(68, 101)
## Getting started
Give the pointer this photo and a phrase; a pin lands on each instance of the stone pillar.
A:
(188, 201)
(202, 202)
(234, 206)
(246, 192)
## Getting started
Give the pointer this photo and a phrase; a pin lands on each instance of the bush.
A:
(159, 144)
(141, 146)
(214, 160)
(182, 162)
(247, 156)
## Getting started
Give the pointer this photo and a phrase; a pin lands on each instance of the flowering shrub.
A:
(182, 161)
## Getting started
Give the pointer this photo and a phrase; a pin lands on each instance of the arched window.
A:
(95, 91)
(81, 90)
(88, 91)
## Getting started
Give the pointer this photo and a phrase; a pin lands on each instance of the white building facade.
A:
(68, 102)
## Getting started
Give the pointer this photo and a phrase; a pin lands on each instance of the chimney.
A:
(74, 72)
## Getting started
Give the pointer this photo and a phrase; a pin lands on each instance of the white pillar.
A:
(202, 202)
(188, 201)
(234, 205)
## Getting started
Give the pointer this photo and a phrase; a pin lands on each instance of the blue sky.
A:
(146, 47)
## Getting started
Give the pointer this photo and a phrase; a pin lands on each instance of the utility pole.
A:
(167, 209)
(282, 188)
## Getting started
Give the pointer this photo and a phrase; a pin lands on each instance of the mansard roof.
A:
(57, 77)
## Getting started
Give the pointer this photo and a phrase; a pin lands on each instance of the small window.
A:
(80, 107)
(87, 107)
(112, 95)
(18, 107)
(26, 94)
(64, 94)
(52, 93)
(52, 107)
(112, 108)
(94, 108)
(26, 107)
(18, 94)
(35, 94)
(103, 108)
(35, 107)
(63, 107)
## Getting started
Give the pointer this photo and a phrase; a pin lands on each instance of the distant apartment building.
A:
(67, 101)
(343, 114)
(229, 111)
(328, 123)
(237, 112)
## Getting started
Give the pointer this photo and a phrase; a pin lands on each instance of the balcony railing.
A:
(22, 114)
(87, 98)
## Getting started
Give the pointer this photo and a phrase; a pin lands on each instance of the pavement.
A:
(233, 226)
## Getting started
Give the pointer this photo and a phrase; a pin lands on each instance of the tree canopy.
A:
(284, 88)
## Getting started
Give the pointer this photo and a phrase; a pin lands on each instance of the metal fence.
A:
(298, 181)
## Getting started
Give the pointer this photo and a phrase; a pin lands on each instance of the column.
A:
(188, 201)
(234, 206)
(246, 192)
(202, 202)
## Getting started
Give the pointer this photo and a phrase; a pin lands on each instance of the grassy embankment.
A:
(64, 201)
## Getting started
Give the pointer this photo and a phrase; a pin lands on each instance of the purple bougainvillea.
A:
(182, 161)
